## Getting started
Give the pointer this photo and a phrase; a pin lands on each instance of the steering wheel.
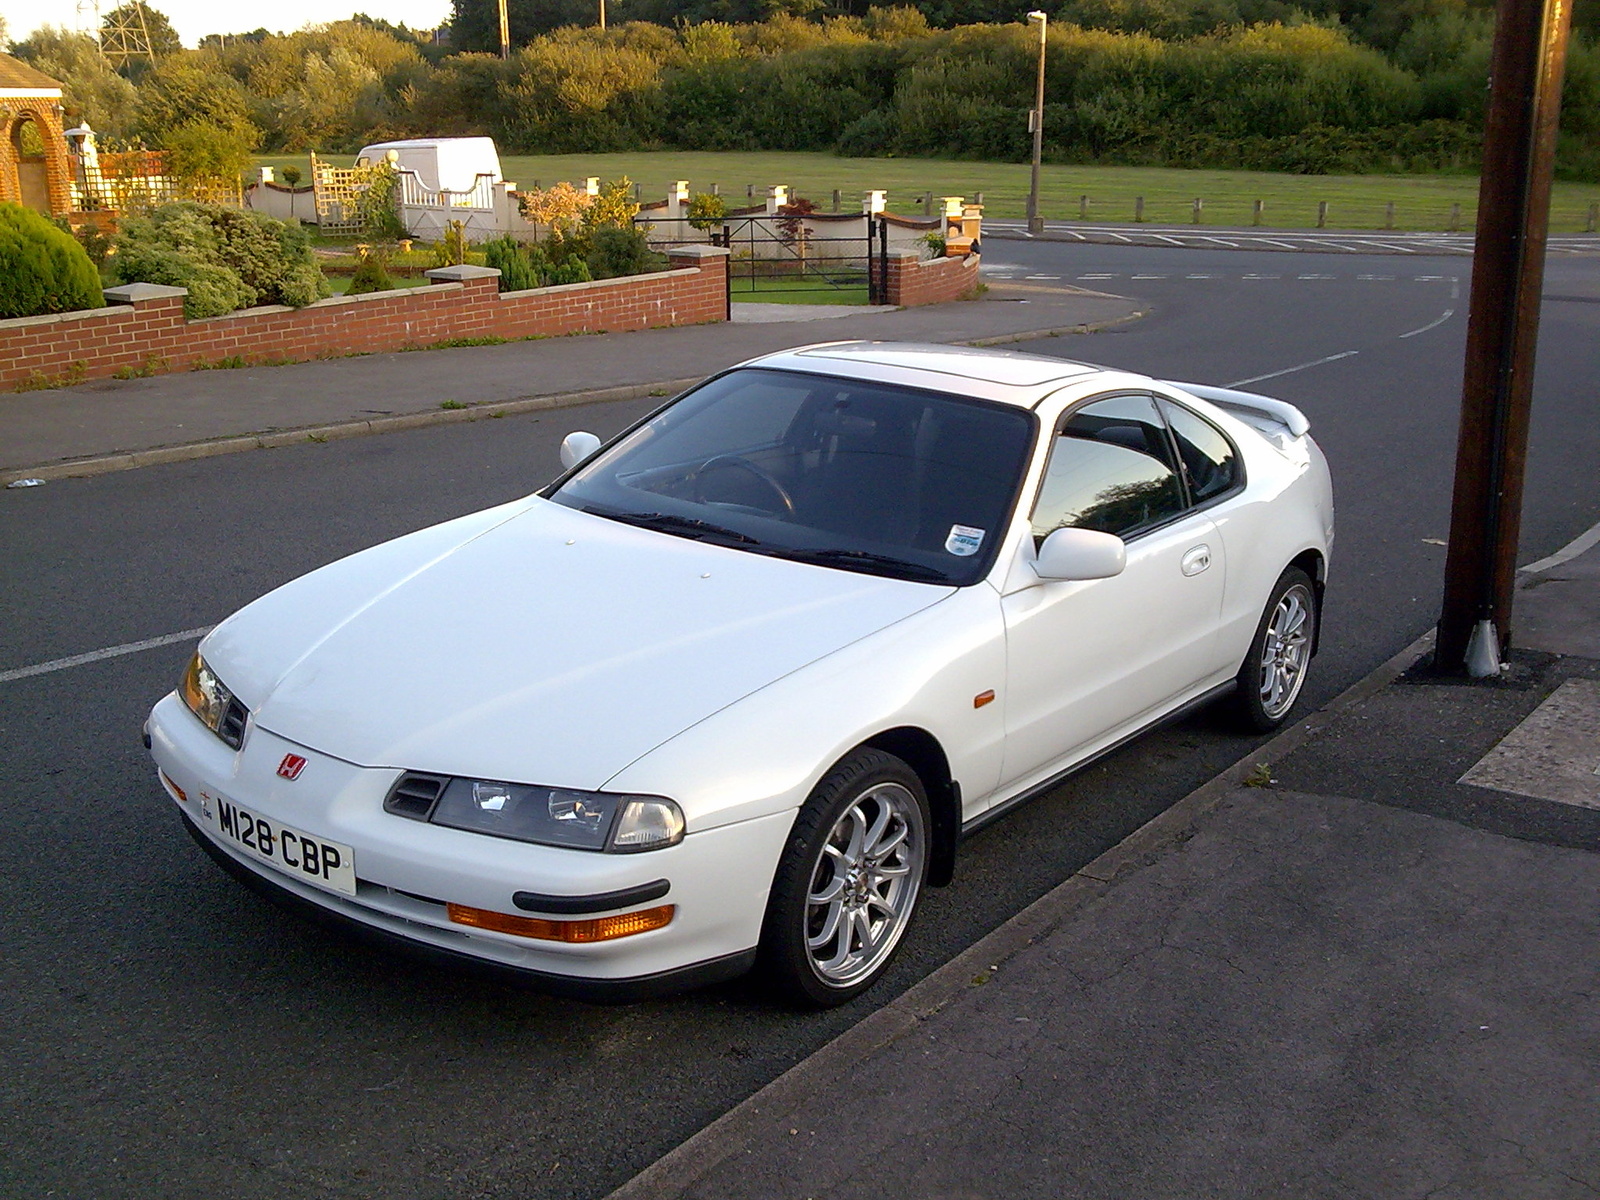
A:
(738, 462)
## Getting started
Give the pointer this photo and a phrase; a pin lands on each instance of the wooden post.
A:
(1083, 208)
(1527, 62)
(979, 199)
(1138, 210)
(1199, 205)
(1388, 215)
(1594, 217)
(1322, 214)
(838, 199)
(1255, 216)
(1455, 218)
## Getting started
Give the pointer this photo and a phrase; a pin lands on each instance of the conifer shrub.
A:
(43, 269)
(372, 275)
(228, 258)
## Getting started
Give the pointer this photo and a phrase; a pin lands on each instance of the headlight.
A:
(544, 815)
(209, 699)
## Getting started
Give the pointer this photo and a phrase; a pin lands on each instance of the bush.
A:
(614, 252)
(518, 266)
(227, 258)
(372, 275)
(42, 268)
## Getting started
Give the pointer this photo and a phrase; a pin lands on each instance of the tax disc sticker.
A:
(963, 540)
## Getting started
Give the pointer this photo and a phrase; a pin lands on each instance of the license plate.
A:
(293, 851)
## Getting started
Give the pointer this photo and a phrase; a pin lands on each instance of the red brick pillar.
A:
(158, 325)
(902, 273)
(712, 298)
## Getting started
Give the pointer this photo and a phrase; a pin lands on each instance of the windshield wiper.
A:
(876, 564)
(673, 523)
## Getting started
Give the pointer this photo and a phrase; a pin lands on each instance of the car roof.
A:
(1004, 375)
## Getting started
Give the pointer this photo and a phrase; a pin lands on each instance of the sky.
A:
(193, 19)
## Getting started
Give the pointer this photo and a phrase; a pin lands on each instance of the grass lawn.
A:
(794, 291)
(1421, 202)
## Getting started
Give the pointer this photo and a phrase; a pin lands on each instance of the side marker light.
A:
(983, 698)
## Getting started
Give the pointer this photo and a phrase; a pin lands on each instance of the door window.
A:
(1111, 469)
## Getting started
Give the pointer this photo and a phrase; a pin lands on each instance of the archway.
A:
(33, 164)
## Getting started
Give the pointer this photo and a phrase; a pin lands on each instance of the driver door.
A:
(1090, 660)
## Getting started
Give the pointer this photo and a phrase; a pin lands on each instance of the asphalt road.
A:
(169, 1035)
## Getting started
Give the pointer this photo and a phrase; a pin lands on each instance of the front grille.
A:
(414, 795)
(231, 730)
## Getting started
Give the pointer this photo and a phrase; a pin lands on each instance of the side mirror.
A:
(1081, 554)
(576, 447)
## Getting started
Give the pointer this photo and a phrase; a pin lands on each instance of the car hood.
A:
(535, 643)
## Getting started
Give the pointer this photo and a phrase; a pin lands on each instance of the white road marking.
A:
(1103, 275)
(1448, 313)
(1316, 276)
(1149, 277)
(1199, 276)
(1280, 245)
(1261, 277)
(1369, 278)
(79, 660)
(1041, 277)
(1428, 278)
(1291, 370)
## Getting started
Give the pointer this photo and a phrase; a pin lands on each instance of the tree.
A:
(91, 91)
(164, 39)
(186, 89)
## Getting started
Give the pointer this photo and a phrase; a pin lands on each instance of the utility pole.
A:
(1036, 126)
(1526, 67)
(505, 32)
(602, 14)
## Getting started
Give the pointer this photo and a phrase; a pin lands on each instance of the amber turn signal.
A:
(983, 698)
(599, 929)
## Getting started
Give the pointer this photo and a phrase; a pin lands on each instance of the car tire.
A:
(848, 883)
(1274, 670)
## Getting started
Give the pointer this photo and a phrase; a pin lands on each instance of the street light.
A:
(1036, 127)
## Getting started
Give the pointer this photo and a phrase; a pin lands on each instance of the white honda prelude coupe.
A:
(730, 691)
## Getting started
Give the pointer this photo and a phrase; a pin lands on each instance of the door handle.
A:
(1197, 560)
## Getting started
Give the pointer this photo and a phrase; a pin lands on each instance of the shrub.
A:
(707, 211)
(372, 275)
(614, 252)
(227, 258)
(291, 175)
(518, 266)
(42, 268)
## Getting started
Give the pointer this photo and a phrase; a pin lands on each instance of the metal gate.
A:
(799, 259)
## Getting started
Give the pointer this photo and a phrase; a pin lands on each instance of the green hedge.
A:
(43, 268)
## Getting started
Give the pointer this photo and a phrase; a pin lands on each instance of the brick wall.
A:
(144, 330)
(914, 281)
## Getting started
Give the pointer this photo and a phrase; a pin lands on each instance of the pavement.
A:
(1359, 963)
(117, 424)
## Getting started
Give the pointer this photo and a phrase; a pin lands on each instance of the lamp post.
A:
(1036, 126)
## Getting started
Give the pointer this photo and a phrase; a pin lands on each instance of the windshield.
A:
(839, 472)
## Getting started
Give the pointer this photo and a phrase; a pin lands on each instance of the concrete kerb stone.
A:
(126, 461)
(676, 1172)
(108, 463)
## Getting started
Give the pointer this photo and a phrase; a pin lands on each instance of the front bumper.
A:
(406, 871)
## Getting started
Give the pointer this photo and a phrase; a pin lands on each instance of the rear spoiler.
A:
(1248, 403)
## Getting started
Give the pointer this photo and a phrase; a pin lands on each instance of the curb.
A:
(105, 464)
(677, 1172)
